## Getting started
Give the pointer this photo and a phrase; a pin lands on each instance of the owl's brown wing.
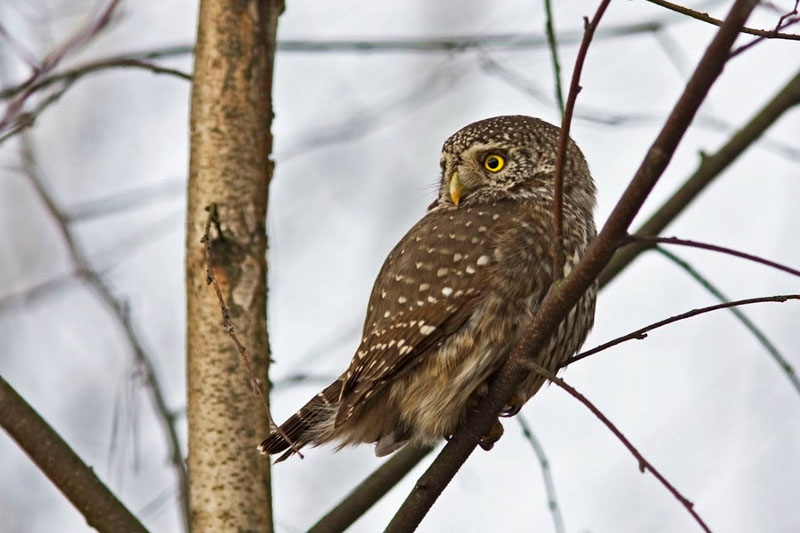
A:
(391, 352)
(428, 287)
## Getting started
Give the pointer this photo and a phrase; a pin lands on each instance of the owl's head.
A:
(510, 157)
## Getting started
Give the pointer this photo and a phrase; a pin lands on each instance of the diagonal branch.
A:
(74, 478)
(705, 17)
(565, 294)
(641, 333)
(51, 60)
(710, 168)
(84, 271)
(644, 464)
(372, 489)
(652, 241)
(773, 351)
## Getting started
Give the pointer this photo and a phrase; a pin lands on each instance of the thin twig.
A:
(641, 333)
(563, 138)
(564, 295)
(652, 241)
(549, 486)
(51, 60)
(740, 316)
(74, 478)
(552, 43)
(211, 279)
(781, 25)
(704, 17)
(83, 269)
(644, 464)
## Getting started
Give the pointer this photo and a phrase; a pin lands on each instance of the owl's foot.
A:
(514, 405)
(492, 436)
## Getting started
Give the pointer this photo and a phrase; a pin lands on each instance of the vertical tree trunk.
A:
(231, 112)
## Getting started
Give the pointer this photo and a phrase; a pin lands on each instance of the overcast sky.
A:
(357, 140)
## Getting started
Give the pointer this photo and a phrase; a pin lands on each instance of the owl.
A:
(455, 294)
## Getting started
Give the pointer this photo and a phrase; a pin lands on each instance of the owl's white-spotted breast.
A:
(455, 294)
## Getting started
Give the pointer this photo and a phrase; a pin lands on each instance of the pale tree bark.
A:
(231, 113)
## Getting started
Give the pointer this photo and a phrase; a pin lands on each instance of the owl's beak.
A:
(456, 187)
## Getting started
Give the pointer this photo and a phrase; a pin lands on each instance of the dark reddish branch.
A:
(564, 295)
(642, 333)
(74, 478)
(704, 17)
(644, 464)
(710, 168)
(652, 241)
(563, 138)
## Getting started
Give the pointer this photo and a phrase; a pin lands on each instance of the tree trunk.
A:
(231, 112)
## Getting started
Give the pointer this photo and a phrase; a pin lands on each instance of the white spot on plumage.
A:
(457, 257)
(401, 300)
(482, 229)
(427, 330)
(470, 269)
(400, 343)
(442, 272)
(482, 260)
(447, 291)
(424, 286)
(432, 299)
(387, 314)
(495, 216)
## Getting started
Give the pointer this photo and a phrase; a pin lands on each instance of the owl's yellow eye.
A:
(494, 162)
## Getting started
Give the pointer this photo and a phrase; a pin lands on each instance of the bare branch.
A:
(769, 34)
(644, 464)
(549, 486)
(74, 478)
(369, 491)
(83, 269)
(51, 60)
(563, 138)
(783, 363)
(781, 25)
(565, 294)
(641, 333)
(710, 167)
(652, 241)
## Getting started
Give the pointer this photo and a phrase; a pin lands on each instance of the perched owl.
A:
(455, 294)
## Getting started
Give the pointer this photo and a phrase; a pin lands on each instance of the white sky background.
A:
(701, 400)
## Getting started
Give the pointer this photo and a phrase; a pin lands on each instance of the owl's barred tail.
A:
(302, 427)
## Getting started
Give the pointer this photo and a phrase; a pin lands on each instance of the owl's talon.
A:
(513, 406)
(492, 436)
